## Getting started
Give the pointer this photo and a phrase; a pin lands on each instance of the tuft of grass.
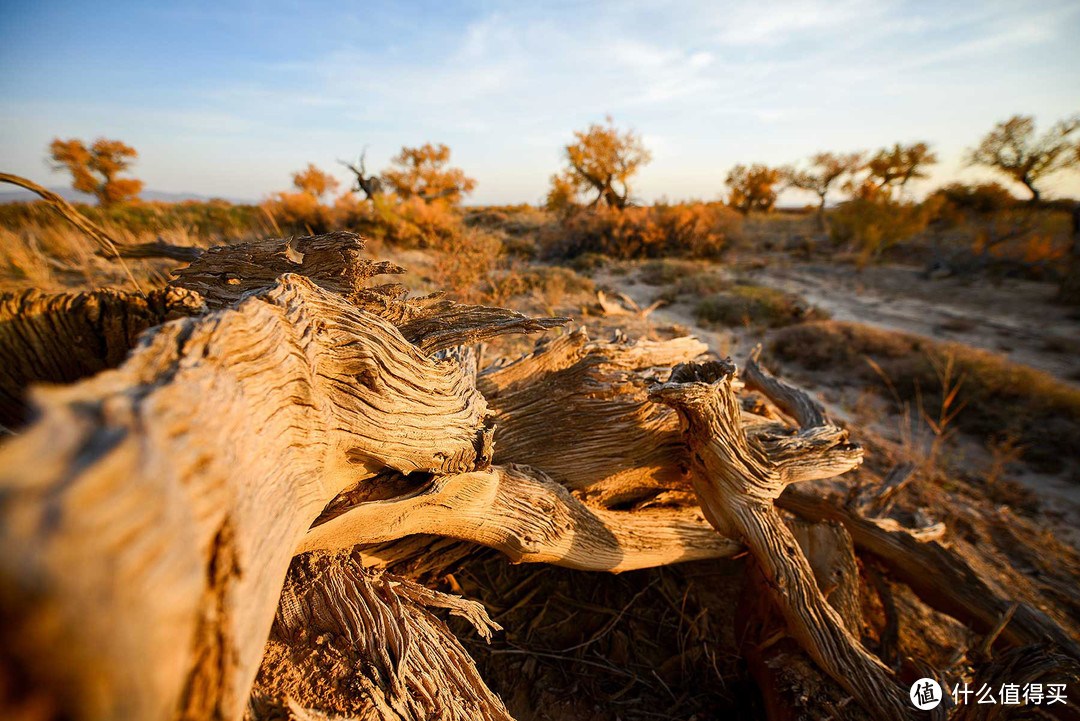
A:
(754, 305)
(696, 285)
(1003, 398)
(665, 271)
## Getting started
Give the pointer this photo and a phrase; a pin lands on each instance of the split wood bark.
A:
(63, 337)
(152, 511)
(351, 643)
(737, 479)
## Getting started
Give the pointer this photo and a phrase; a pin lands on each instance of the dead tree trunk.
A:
(738, 478)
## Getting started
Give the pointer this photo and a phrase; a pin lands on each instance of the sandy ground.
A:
(1016, 318)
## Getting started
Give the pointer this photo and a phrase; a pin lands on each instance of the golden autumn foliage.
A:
(753, 188)
(95, 169)
(313, 181)
(423, 173)
(893, 168)
(1013, 149)
(699, 230)
(602, 160)
(822, 173)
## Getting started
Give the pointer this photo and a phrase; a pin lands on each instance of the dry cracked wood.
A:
(792, 686)
(349, 643)
(527, 516)
(938, 575)
(199, 464)
(63, 337)
(335, 262)
(152, 510)
(579, 411)
(737, 479)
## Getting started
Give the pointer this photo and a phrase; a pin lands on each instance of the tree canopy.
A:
(94, 169)
(1013, 148)
(423, 172)
(823, 171)
(313, 181)
(893, 168)
(602, 160)
(753, 188)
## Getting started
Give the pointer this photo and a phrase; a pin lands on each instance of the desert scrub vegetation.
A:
(694, 230)
(684, 278)
(1002, 398)
(754, 305)
(872, 225)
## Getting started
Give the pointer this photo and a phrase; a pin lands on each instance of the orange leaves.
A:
(313, 181)
(753, 188)
(601, 160)
(94, 169)
(422, 172)
(689, 229)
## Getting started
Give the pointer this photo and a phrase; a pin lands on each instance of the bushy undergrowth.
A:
(873, 225)
(697, 230)
(960, 198)
(1001, 397)
(754, 305)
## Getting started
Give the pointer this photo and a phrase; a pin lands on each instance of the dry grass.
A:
(60, 258)
(754, 305)
(1002, 397)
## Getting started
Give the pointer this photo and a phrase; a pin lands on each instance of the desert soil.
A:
(1016, 318)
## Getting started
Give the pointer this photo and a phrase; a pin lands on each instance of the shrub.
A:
(698, 285)
(665, 271)
(693, 230)
(754, 305)
(463, 261)
(299, 213)
(872, 224)
(589, 263)
(983, 198)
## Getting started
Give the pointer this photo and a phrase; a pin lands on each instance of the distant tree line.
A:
(602, 161)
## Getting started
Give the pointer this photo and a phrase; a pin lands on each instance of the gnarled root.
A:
(737, 478)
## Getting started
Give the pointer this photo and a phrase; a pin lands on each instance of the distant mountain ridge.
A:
(17, 195)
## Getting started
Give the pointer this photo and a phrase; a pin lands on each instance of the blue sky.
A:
(228, 98)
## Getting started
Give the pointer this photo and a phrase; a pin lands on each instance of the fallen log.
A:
(198, 467)
(63, 337)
